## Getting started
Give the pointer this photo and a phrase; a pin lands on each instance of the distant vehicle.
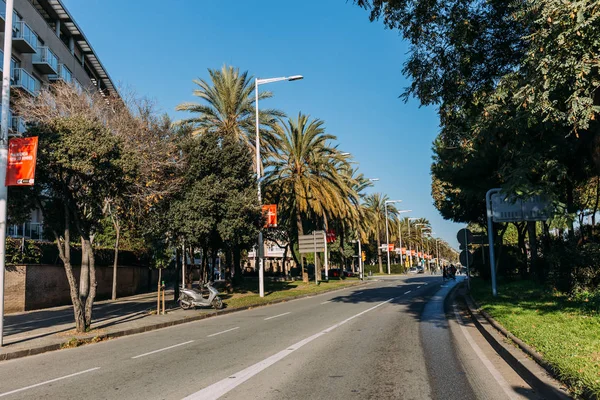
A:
(420, 270)
(349, 273)
(335, 273)
(413, 270)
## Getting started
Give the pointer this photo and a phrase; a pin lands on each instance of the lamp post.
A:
(427, 228)
(420, 239)
(387, 232)
(360, 265)
(409, 243)
(400, 232)
(259, 250)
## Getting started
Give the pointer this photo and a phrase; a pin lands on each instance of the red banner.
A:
(270, 214)
(22, 155)
(331, 236)
(391, 247)
(404, 250)
(413, 253)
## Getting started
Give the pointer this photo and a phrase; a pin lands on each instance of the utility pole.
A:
(8, 30)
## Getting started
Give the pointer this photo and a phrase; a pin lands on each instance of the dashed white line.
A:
(46, 382)
(408, 292)
(325, 302)
(220, 333)
(425, 284)
(280, 315)
(159, 350)
(224, 386)
(418, 287)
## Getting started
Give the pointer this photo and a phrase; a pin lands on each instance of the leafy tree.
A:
(375, 213)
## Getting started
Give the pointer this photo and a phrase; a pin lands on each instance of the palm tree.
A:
(375, 208)
(303, 171)
(228, 106)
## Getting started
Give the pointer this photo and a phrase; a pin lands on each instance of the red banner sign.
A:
(270, 214)
(391, 247)
(413, 253)
(22, 155)
(404, 250)
(331, 236)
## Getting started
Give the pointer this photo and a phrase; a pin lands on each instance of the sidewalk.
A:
(36, 332)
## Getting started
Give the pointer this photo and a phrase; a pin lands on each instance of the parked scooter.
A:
(189, 298)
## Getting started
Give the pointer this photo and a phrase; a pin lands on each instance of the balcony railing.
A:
(24, 80)
(17, 125)
(45, 60)
(25, 39)
(64, 74)
(29, 230)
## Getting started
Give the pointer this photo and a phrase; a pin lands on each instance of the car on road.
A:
(413, 270)
(349, 273)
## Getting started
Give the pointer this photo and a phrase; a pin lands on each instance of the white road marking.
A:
(425, 284)
(46, 382)
(159, 350)
(280, 315)
(488, 364)
(418, 287)
(325, 302)
(358, 293)
(228, 330)
(224, 386)
(408, 292)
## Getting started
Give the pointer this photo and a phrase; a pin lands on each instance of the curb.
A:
(503, 350)
(84, 340)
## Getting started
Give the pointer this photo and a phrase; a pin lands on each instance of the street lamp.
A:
(387, 232)
(360, 265)
(420, 239)
(400, 231)
(409, 243)
(259, 250)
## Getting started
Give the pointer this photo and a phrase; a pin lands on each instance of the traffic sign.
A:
(512, 209)
(314, 243)
(466, 258)
(464, 234)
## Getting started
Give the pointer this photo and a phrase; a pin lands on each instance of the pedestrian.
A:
(444, 274)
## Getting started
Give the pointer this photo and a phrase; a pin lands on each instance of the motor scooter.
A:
(189, 298)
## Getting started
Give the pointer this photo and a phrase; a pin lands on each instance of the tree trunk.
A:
(533, 248)
(92, 283)
(116, 260)
(237, 264)
(177, 273)
(379, 251)
(300, 233)
(84, 274)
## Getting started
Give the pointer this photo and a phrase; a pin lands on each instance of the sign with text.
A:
(22, 155)
(513, 209)
(314, 243)
(270, 213)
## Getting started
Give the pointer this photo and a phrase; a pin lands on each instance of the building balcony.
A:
(64, 74)
(25, 81)
(2, 14)
(45, 61)
(17, 125)
(24, 38)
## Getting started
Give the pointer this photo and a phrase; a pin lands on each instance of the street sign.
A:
(270, 214)
(390, 247)
(314, 243)
(466, 258)
(513, 209)
(464, 234)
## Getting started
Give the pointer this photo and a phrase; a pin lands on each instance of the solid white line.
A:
(280, 315)
(50, 381)
(425, 284)
(325, 302)
(358, 293)
(408, 292)
(224, 386)
(488, 364)
(159, 350)
(228, 330)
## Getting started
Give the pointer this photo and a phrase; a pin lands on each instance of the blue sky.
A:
(352, 71)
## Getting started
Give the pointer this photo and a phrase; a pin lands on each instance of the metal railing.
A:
(24, 80)
(29, 230)
(64, 74)
(45, 55)
(22, 31)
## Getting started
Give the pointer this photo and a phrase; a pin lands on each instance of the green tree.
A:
(375, 214)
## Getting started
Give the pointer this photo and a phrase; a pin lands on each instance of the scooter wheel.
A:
(184, 304)
(217, 303)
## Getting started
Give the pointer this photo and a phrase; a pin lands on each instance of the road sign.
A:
(512, 209)
(466, 258)
(270, 214)
(536, 209)
(313, 243)
(464, 234)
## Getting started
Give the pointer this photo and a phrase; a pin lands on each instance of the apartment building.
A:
(47, 46)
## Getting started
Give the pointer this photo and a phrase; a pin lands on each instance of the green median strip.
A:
(564, 330)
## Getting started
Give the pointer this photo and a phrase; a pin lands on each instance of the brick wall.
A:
(14, 288)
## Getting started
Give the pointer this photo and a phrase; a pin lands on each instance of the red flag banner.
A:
(22, 155)
(270, 214)
(404, 250)
(391, 247)
(331, 237)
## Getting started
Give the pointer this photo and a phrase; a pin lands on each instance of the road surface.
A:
(390, 339)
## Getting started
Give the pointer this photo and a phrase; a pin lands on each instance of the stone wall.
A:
(31, 287)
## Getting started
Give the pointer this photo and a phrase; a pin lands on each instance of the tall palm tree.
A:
(303, 171)
(228, 106)
(375, 207)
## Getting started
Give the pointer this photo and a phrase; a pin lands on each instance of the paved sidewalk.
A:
(50, 329)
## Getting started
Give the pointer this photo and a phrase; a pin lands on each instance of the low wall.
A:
(31, 287)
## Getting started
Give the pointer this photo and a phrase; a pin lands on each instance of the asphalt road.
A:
(390, 339)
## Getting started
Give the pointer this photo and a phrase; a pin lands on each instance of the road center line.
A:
(159, 350)
(224, 386)
(325, 302)
(228, 330)
(408, 292)
(46, 382)
(280, 315)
